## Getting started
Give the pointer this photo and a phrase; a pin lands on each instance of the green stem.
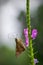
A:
(29, 31)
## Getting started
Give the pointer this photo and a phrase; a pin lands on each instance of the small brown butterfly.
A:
(20, 47)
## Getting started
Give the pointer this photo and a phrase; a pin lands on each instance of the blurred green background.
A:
(7, 55)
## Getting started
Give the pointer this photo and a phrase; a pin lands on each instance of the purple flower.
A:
(35, 61)
(26, 32)
(26, 37)
(26, 42)
(34, 33)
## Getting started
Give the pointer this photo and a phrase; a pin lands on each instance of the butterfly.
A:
(20, 46)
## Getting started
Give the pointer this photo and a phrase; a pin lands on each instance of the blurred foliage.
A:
(22, 18)
(40, 30)
(39, 39)
(7, 56)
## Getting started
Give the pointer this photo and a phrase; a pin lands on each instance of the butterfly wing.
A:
(20, 47)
